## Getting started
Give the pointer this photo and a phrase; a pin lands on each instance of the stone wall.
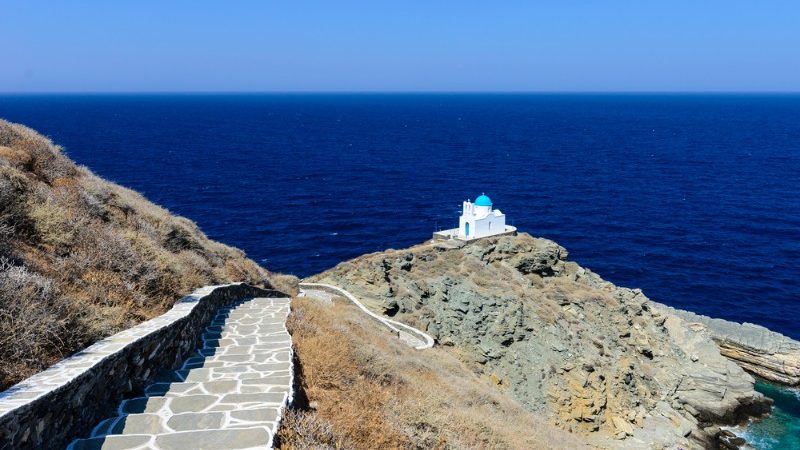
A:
(452, 234)
(52, 408)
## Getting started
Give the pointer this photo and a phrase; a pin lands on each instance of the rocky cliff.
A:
(599, 360)
(768, 354)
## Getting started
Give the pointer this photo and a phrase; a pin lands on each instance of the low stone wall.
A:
(452, 234)
(52, 408)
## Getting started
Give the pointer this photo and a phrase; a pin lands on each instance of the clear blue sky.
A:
(638, 45)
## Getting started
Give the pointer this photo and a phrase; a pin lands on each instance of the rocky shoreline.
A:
(760, 351)
(602, 361)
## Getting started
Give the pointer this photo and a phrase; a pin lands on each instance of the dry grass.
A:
(82, 258)
(365, 389)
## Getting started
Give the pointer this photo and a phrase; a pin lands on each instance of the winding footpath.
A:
(409, 335)
(230, 394)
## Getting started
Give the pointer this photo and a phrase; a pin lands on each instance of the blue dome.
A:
(483, 200)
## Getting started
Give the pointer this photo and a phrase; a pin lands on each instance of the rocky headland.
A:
(602, 361)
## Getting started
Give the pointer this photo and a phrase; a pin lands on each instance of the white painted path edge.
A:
(410, 335)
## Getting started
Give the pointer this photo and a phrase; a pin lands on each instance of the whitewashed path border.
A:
(410, 335)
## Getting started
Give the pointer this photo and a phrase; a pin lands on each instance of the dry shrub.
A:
(365, 389)
(96, 256)
(13, 157)
(284, 283)
(32, 321)
(52, 225)
(303, 431)
(340, 374)
(43, 159)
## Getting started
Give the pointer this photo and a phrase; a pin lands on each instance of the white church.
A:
(478, 220)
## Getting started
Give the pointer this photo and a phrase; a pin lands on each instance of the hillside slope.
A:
(82, 258)
(599, 360)
(363, 388)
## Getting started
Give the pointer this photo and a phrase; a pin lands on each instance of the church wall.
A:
(482, 226)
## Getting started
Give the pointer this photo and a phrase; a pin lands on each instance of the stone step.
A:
(231, 335)
(260, 308)
(252, 385)
(285, 345)
(252, 311)
(112, 443)
(213, 335)
(252, 358)
(247, 330)
(198, 362)
(247, 319)
(223, 373)
(214, 439)
(250, 322)
(200, 403)
(137, 424)
(276, 342)
(226, 367)
(248, 340)
(149, 424)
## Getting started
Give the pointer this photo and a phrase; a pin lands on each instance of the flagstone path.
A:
(229, 395)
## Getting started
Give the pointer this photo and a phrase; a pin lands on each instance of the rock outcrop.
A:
(758, 350)
(599, 360)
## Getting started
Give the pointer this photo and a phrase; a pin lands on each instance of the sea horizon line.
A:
(402, 92)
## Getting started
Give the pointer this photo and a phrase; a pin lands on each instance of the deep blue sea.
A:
(693, 198)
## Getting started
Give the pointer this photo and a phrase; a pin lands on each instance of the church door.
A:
(466, 230)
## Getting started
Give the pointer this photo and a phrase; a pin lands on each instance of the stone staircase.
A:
(229, 395)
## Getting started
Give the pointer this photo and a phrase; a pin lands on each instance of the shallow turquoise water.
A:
(781, 429)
